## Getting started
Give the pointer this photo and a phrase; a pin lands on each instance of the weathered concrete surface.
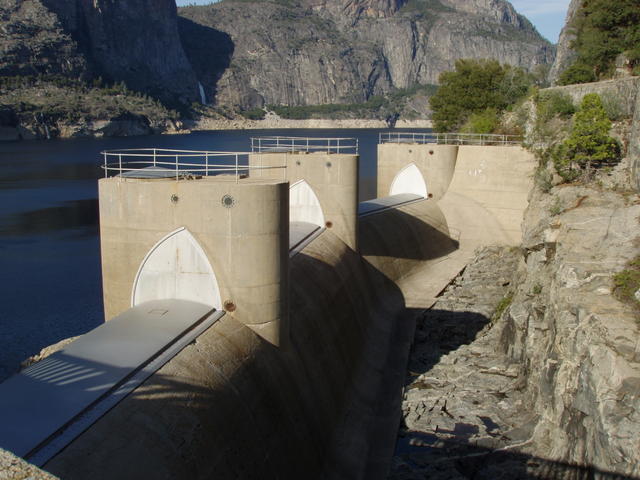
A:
(246, 242)
(332, 177)
(488, 195)
(233, 406)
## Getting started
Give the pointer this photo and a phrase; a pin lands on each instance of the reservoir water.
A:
(50, 285)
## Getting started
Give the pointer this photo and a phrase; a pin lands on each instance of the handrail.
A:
(280, 144)
(170, 163)
(450, 138)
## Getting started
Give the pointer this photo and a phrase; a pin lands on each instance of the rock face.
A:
(134, 42)
(565, 55)
(33, 41)
(549, 388)
(330, 51)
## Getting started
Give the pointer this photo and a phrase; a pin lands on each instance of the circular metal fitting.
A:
(430, 152)
(174, 198)
(329, 164)
(329, 224)
(229, 306)
(228, 201)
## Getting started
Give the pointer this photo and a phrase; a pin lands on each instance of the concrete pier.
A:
(323, 180)
(219, 240)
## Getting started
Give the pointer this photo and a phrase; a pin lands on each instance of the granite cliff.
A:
(133, 42)
(340, 51)
(565, 55)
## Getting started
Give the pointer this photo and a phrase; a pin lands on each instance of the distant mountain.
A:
(253, 53)
(306, 52)
(132, 41)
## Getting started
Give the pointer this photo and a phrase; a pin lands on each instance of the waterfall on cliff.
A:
(203, 96)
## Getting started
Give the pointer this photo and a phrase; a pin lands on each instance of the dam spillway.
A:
(315, 393)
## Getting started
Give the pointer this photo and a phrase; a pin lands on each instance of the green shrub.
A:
(502, 306)
(589, 144)
(553, 103)
(627, 283)
(253, 114)
(482, 122)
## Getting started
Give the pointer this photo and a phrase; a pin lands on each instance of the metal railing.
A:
(449, 138)
(304, 145)
(167, 163)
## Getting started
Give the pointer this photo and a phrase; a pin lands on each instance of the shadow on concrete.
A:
(398, 234)
(209, 51)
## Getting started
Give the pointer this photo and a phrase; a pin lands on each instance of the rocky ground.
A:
(528, 366)
(463, 399)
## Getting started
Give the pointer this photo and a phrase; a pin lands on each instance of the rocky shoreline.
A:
(136, 125)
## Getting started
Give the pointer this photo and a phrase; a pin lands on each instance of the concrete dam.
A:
(259, 317)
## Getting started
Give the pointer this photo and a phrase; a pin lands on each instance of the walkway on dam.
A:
(48, 404)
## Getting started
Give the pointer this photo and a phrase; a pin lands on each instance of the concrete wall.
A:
(625, 90)
(246, 243)
(488, 194)
(435, 162)
(333, 178)
(231, 406)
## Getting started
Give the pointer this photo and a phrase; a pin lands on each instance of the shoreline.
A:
(129, 128)
(312, 123)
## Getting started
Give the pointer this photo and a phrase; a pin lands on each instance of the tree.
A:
(474, 87)
(589, 143)
(603, 30)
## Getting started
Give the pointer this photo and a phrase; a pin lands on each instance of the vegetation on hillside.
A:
(604, 30)
(589, 145)
(476, 93)
(377, 106)
(57, 99)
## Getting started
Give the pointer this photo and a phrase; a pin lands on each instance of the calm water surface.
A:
(50, 285)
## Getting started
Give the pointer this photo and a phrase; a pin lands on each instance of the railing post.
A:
(154, 157)
(120, 163)
(206, 161)
(237, 175)
(177, 161)
(105, 165)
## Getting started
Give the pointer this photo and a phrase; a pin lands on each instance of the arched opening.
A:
(409, 180)
(176, 267)
(304, 205)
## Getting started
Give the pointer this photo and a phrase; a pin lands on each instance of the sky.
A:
(547, 15)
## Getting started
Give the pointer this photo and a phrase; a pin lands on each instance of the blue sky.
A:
(547, 15)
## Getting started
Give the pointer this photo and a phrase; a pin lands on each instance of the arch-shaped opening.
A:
(176, 267)
(304, 205)
(409, 180)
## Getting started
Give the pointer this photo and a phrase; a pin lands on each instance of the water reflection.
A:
(80, 216)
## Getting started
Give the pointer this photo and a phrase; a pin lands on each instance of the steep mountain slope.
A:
(333, 51)
(565, 55)
(119, 40)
